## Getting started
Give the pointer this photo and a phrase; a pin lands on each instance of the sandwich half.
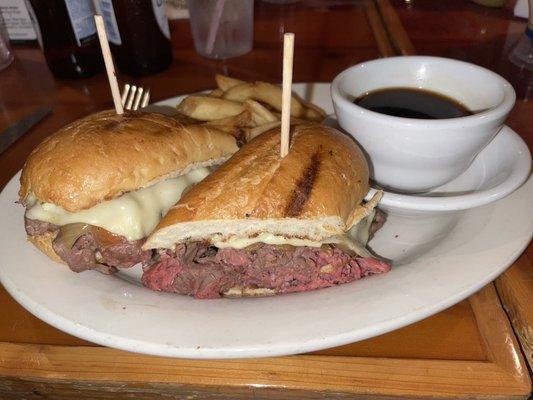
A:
(261, 225)
(95, 189)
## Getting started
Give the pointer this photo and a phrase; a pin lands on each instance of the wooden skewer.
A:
(110, 68)
(288, 55)
(380, 33)
(394, 26)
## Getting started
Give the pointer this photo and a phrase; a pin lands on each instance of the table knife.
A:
(19, 128)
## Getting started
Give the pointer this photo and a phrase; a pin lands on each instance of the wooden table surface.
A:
(330, 36)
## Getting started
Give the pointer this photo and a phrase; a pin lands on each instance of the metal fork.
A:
(134, 97)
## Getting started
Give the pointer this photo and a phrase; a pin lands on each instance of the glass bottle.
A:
(138, 33)
(67, 34)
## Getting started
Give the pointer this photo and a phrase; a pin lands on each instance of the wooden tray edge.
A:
(514, 288)
(505, 374)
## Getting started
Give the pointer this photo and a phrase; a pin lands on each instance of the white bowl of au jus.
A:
(421, 120)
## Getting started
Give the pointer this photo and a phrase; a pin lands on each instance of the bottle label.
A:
(111, 26)
(35, 23)
(17, 20)
(81, 15)
(161, 17)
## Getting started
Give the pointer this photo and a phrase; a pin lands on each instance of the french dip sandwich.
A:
(261, 225)
(95, 189)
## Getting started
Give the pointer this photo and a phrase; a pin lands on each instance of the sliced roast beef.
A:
(90, 253)
(35, 227)
(95, 249)
(202, 271)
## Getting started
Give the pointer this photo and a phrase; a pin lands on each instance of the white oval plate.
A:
(440, 259)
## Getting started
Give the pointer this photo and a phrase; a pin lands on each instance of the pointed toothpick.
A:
(108, 59)
(288, 55)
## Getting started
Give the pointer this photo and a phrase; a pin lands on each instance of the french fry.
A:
(244, 109)
(225, 82)
(314, 112)
(229, 129)
(313, 115)
(240, 92)
(258, 130)
(240, 120)
(216, 93)
(205, 108)
(294, 120)
(260, 114)
(263, 92)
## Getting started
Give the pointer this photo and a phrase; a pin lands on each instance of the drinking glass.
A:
(222, 28)
(522, 53)
(6, 55)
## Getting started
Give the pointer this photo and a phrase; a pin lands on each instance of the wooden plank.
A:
(61, 390)
(24, 365)
(515, 288)
(500, 342)
(19, 326)
(449, 335)
(351, 375)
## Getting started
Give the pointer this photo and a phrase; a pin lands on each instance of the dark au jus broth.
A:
(412, 103)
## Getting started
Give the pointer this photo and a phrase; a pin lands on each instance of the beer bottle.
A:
(138, 33)
(66, 32)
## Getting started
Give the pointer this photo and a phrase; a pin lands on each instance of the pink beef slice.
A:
(89, 253)
(206, 272)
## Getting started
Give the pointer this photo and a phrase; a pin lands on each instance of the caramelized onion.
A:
(70, 233)
(104, 237)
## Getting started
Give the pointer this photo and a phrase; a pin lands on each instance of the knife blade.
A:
(19, 128)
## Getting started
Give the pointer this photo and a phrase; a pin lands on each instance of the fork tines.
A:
(134, 97)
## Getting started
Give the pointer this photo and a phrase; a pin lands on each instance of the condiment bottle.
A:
(138, 33)
(66, 32)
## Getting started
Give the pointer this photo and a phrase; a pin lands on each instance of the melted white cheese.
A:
(355, 239)
(268, 238)
(133, 215)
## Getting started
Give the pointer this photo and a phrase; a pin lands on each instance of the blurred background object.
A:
(177, 9)
(222, 29)
(281, 1)
(18, 22)
(6, 55)
(520, 9)
(522, 53)
(66, 32)
(138, 33)
(490, 3)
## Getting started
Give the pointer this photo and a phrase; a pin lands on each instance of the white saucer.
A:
(497, 171)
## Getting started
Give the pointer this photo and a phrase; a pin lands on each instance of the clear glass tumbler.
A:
(222, 28)
(522, 53)
(6, 54)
